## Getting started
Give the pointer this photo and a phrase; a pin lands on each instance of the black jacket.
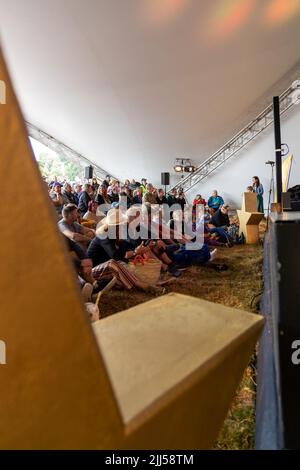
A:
(84, 200)
(219, 219)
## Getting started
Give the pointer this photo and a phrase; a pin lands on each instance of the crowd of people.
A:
(107, 225)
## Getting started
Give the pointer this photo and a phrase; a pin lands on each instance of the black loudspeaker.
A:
(165, 179)
(88, 173)
(285, 282)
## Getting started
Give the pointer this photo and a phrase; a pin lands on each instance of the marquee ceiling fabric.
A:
(134, 84)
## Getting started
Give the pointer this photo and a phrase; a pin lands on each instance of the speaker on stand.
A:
(165, 180)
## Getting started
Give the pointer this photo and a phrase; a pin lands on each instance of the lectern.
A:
(249, 218)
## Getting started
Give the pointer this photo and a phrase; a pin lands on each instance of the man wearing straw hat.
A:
(110, 251)
(111, 241)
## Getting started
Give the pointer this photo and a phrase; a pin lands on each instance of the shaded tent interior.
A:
(66, 387)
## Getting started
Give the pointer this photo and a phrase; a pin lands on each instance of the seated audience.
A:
(220, 217)
(105, 182)
(161, 198)
(85, 198)
(149, 196)
(137, 196)
(133, 185)
(57, 199)
(179, 238)
(67, 194)
(143, 186)
(184, 257)
(199, 200)
(215, 201)
(218, 224)
(127, 193)
(102, 197)
(76, 193)
(95, 184)
(172, 197)
(69, 226)
(93, 214)
(181, 200)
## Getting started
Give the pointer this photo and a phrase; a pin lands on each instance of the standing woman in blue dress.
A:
(259, 190)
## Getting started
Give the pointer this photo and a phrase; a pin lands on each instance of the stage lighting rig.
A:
(183, 165)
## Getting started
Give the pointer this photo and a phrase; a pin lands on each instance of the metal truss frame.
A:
(287, 100)
(63, 149)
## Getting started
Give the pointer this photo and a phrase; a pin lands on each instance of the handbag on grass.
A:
(146, 269)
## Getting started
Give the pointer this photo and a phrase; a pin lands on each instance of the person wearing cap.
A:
(111, 254)
(111, 241)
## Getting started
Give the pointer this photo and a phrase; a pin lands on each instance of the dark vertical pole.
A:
(276, 111)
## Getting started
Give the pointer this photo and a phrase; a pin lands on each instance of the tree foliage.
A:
(53, 164)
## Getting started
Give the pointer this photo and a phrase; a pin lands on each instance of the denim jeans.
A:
(224, 237)
(185, 257)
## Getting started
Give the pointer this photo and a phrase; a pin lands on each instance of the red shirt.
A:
(199, 201)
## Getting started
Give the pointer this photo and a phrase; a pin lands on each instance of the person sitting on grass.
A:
(215, 201)
(57, 199)
(172, 197)
(110, 252)
(218, 224)
(77, 189)
(149, 197)
(137, 196)
(140, 220)
(67, 194)
(69, 226)
(84, 198)
(199, 200)
(103, 198)
(93, 214)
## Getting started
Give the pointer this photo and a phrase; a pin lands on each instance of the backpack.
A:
(242, 239)
(233, 233)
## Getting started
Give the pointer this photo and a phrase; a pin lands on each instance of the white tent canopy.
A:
(134, 84)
